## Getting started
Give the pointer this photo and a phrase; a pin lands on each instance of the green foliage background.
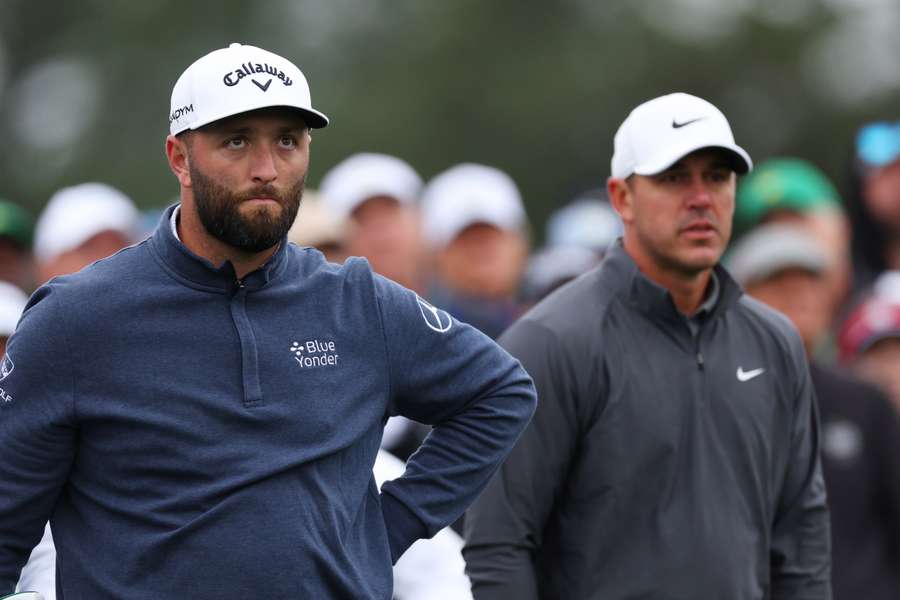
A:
(535, 88)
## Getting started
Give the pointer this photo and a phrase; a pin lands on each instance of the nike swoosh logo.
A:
(743, 375)
(677, 125)
(265, 87)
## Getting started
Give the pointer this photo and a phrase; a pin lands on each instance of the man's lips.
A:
(699, 228)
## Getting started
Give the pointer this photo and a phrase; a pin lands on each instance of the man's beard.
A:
(219, 212)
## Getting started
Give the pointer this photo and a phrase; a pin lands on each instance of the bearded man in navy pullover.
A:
(198, 415)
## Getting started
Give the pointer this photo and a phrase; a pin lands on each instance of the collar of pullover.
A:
(655, 300)
(198, 272)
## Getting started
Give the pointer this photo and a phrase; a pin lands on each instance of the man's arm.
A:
(504, 527)
(479, 399)
(801, 543)
(36, 430)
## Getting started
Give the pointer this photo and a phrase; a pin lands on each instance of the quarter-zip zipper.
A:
(249, 353)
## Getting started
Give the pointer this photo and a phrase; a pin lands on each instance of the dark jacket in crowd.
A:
(861, 461)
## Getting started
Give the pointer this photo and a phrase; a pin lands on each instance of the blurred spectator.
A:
(794, 190)
(378, 194)
(552, 266)
(475, 223)
(15, 246)
(431, 569)
(869, 343)
(785, 266)
(874, 201)
(80, 225)
(578, 235)
(587, 222)
(781, 257)
(318, 227)
(12, 303)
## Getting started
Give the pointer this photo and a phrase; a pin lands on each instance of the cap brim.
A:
(869, 341)
(743, 164)
(313, 118)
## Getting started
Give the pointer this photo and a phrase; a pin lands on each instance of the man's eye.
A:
(669, 177)
(235, 143)
(287, 141)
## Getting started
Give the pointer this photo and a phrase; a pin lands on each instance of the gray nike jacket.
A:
(659, 464)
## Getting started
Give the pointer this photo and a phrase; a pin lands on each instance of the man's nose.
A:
(262, 166)
(699, 194)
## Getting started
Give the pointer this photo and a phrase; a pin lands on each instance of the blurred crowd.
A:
(825, 251)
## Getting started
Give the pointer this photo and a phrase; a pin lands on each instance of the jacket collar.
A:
(654, 300)
(198, 272)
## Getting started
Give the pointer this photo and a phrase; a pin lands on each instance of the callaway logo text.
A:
(315, 353)
(232, 78)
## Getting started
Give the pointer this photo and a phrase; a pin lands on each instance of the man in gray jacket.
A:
(675, 450)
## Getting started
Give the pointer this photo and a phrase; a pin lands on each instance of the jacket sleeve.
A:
(504, 527)
(478, 398)
(36, 431)
(801, 543)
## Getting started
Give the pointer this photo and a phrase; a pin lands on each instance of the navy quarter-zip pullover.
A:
(189, 435)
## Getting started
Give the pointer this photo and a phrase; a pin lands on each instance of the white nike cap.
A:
(468, 194)
(238, 79)
(369, 175)
(659, 132)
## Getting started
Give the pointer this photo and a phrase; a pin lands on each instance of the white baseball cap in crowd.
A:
(587, 222)
(368, 175)
(661, 131)
(315, 224)
(774, 247)
(12, 303)
(238, 79)
(75, 214)
(468, 194)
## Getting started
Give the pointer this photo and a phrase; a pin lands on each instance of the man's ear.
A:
(179, 160)
(620, 198)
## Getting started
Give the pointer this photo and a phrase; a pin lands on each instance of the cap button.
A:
(234, 45)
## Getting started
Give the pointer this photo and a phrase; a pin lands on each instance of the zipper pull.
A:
(699, 361)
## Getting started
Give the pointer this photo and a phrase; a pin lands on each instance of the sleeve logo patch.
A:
(437, 320)
(6, 366)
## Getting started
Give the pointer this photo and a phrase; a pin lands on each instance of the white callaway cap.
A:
(76, 214)
(661, 131)
(368, 175)
(468, 194)
(238, 79)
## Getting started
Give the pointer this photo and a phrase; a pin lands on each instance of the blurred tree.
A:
(534, 88)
